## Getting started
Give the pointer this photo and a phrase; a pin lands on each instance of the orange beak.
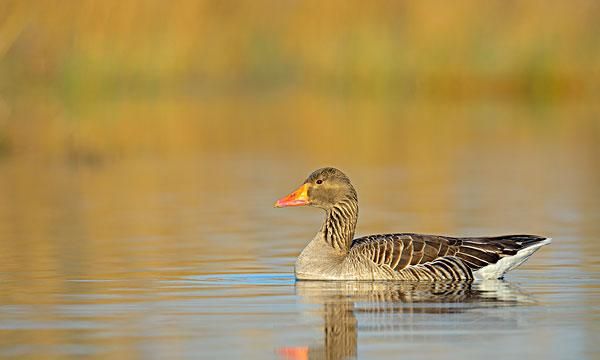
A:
(297, 198)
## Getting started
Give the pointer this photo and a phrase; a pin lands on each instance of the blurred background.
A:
(140, 139)
(96, 81)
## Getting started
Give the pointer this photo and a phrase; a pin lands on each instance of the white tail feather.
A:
(507, 263)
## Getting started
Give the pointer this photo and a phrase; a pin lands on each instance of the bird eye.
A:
(319, 181)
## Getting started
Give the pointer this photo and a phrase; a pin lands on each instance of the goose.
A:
(334, 254)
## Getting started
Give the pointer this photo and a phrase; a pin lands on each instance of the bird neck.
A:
(340, 223)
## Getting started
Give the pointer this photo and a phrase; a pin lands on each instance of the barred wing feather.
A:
(432, 257)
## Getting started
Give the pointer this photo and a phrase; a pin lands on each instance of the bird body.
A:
(333, 254)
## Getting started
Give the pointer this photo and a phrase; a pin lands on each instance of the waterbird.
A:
(334, 254)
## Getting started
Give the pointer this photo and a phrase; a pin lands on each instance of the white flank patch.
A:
(495, 271)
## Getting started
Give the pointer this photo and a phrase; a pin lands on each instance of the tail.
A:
(519, 248)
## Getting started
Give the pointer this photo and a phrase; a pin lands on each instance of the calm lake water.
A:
(182, 255)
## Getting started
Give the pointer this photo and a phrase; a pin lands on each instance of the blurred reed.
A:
(120, 77)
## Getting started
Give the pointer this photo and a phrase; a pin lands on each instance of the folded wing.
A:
(433, 257)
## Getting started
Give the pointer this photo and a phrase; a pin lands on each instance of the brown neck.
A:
(340, 223)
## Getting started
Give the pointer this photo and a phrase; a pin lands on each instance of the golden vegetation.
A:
(140, 48)
(106, 78)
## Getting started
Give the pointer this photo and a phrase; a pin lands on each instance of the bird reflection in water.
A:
(390, 307)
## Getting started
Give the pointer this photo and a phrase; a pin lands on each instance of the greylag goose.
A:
(333, 254)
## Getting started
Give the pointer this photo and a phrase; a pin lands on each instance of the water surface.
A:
(181, 254)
